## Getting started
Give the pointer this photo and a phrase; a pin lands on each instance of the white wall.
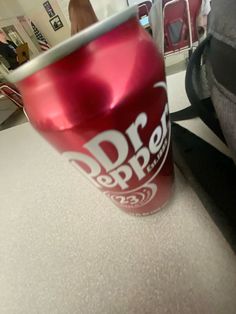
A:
(102, 8)
(35, 11)
(14, 21)
(64, 7)
(10, 9)
(105, 8)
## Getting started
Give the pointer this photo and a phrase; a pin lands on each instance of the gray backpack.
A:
(221, 67)
(211, 89)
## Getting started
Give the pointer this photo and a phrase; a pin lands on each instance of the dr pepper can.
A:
(100, 99)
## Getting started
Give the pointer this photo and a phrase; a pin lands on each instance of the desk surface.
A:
(64, 248)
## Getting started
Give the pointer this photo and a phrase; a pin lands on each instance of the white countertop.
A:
(64, 248)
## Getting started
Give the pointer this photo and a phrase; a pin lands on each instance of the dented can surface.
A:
(100, 99)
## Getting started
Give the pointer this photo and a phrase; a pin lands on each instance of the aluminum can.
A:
(100, 99)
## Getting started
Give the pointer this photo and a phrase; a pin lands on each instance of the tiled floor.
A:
(17, 118)
(176, 68)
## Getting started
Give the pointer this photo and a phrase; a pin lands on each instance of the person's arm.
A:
(81, 15)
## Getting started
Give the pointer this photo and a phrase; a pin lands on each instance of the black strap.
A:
(204, 108)
(184, 114)
(223, 62)
(211, 174)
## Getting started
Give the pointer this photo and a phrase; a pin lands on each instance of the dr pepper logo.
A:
(119, 173)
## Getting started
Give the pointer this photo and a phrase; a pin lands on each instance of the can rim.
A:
(71, 44)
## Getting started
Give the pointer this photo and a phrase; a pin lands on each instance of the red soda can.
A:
(100, 99)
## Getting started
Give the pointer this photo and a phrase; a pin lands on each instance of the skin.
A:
(3, 38)
(81, 15)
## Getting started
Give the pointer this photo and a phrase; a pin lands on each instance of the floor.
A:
(17, 118)
(176, 68)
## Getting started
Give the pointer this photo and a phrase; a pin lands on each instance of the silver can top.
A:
(70, 45)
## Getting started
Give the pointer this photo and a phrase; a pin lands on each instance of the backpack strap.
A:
(203, 107)
(224, 72)
(212, 175)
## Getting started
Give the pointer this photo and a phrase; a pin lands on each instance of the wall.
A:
(36, 12)
(102, 8)
(9, 12)
(64, 7)
(105, 8)
(10, 9)
(14, 21)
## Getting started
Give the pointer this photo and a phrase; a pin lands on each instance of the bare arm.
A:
(81, 15)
